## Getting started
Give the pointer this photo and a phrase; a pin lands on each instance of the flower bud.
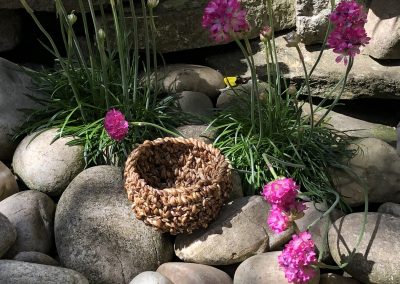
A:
(101, 34)
(292, 90)
(266, 34)
(72, 18)
(152, 3)
(292, 39)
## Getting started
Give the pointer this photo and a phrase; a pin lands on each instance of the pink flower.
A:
(348, 34)
(224, 17)
(278, 221)
(297, 257)
(281, 192)
(116, 125)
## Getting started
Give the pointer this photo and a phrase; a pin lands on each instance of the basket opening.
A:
(172, 165)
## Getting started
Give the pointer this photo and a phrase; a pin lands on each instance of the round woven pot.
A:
(177, 185)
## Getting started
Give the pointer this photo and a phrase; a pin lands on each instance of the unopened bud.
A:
(72, 18)
(152, 3)
(292, 39)
(292, 90)
(266, 34)
(101, 34)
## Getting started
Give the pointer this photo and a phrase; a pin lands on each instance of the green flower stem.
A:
(349, 66)
(121, 50)
(153, 31)
(308, 86)
(103, 58)
(327, 212)
(362, 230)
(271, 24)
(142, 123)
(88, 41)
(327, 96)
(254, 85)
(135, 49)
(57, 54)
(267, 57)
(147, 48)
(252, 93)
(270, 167)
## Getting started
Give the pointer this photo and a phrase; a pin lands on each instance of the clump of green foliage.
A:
(77, 93)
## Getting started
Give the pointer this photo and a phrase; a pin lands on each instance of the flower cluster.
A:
(297, 257)
(223, 18)
(116, 125)
(348, 34)
(281, 194)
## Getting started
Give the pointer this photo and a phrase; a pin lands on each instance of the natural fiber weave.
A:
(177, 185)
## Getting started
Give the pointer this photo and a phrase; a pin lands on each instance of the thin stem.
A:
(308, 86)
(153, 31)
(271, 23)
(103, 58)
(249, 64)
(349, 66)
(135, 49)
(143, 123)
(255, 91)
(270, 167)
(327, 212)
(147, 48)
(57, 53)
(121, 51)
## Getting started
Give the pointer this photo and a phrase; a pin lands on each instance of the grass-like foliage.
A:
(266, 134)
(288, 143)
(76, 95)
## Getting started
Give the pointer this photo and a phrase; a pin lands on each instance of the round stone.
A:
(45, 165)
(97, 234)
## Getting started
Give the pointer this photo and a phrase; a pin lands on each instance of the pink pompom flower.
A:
(297, 259)
(278, 221)
(116, 125)
(281, 192)
(223, 18)
(349, 33)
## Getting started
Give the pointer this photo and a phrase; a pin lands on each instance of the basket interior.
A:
(174, 165)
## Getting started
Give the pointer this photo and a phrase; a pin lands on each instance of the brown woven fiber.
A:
(177, 185)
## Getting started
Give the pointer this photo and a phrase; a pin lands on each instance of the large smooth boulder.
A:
(390, 208)
(32, 214)
(97, 234)
(10, 29)
(16, 84)
(175, 33)
(331, 278)
(193, 273)
(377, 165)
(353, 126)
(383, 27)
(320, 229)
(150, 277)
(368, 78)
(45, 165)
(312, 20)
(19, 272)
(8, 234)
(36, 257)
(199, 132)
(177, 78)
(196, 103)
(8, 184)
(240, 231)
(263, 268)
(376, 258)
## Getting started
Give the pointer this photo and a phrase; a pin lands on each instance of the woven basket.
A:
(177, 185)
